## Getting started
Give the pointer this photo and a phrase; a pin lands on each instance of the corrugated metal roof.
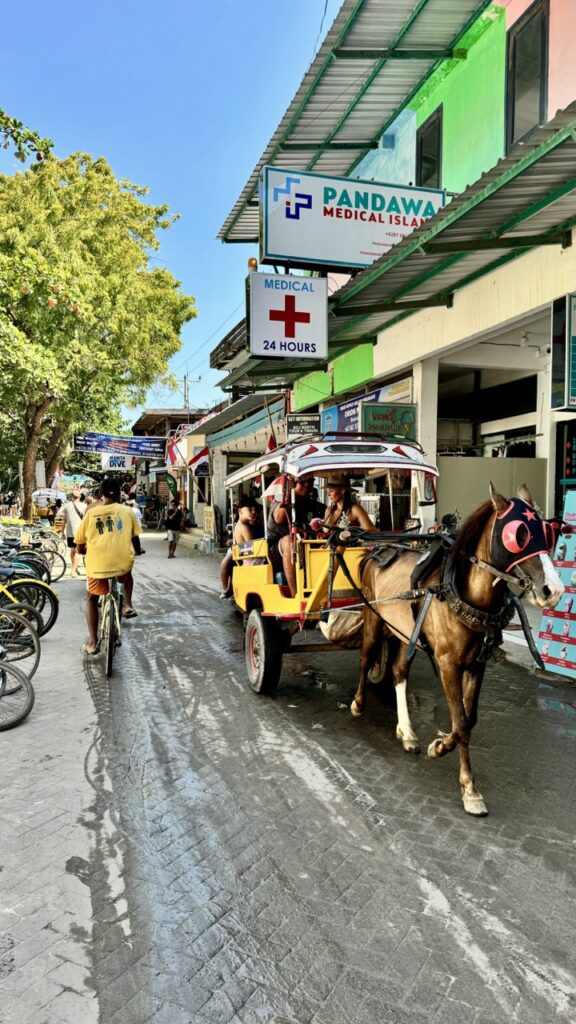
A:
(237, 410)
(375, 56)
(528, 199)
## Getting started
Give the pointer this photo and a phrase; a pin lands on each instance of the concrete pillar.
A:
(546, 435)
(425, 376)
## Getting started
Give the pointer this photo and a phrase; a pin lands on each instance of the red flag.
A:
(271, 443)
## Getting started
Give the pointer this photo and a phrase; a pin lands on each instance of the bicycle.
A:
(19, 636)
(16, 694)
(31, 592)
(109, 630)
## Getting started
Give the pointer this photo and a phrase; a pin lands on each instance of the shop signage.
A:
(145, 447)
(299, 424)
(393, 419)
(117, 463)
(288, 316)
(346, 416)
(345, 222)
(557, 634)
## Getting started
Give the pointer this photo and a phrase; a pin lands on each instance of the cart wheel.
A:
(377, 673)
(263, 650)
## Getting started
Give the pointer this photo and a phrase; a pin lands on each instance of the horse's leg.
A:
(404, 729)
(452, 675)
(371, 641)
(471, 683)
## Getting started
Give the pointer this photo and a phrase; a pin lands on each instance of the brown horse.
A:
(503, 538)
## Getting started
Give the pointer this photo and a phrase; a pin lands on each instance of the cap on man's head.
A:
(110, 488)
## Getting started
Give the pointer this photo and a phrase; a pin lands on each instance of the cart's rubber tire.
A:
(377, 672)
(109, 632)
(39, 595)
(17, 700)
(19, 640)
(263, 650)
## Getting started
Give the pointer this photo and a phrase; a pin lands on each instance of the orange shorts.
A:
(101, 587)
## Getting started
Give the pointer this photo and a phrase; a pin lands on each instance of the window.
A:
(527, 73)
(429, 152)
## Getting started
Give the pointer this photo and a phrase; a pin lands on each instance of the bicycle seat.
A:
(7, 573)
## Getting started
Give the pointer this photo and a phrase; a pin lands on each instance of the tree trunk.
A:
(35, 416)
(53, 451)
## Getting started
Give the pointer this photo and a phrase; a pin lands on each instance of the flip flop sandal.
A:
(87, 653)
(130, 614)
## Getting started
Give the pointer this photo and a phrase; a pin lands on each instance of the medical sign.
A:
(288, 316)
(144, 447)
(343, 222)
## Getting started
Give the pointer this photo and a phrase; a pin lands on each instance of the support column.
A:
(425, 377)
(546, 436)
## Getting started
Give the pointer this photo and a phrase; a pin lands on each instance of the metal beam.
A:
(290, 147)
(392, 307)
(486, 244)
(354, 53)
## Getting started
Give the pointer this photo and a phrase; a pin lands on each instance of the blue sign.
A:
(557, 634)
(144, 447)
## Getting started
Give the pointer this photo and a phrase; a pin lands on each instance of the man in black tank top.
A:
(280, 523)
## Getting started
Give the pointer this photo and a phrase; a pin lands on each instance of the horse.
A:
(504, 541)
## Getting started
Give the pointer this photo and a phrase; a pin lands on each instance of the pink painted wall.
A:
(562, 46)
(562, 75)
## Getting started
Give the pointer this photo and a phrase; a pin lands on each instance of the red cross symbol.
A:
(289, 316)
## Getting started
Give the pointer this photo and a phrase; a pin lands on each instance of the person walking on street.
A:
(73, 513)
(174, 521)
(109, 536)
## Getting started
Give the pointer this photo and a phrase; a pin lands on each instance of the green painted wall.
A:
(354, 368)
(311, 389)
(472, 94)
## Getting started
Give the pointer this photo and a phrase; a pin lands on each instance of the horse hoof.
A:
(474, 805)
(410, 743)
(356, 709)
(435, 748)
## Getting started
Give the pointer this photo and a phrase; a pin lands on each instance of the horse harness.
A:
(438, 557)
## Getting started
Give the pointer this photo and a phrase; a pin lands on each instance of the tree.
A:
(26, 142)
(85, 322)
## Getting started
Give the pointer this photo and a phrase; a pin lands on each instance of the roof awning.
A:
(526, 201)
(373, 60)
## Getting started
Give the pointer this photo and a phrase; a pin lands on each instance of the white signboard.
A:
(288, 316)
(344, 222)
(117, 463)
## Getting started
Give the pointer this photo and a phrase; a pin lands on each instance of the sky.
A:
(181, 96)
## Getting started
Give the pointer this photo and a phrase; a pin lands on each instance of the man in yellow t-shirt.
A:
(108, 535)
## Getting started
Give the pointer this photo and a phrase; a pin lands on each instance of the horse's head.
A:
(521, 544)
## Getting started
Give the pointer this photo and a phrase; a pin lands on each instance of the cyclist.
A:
(108, 535)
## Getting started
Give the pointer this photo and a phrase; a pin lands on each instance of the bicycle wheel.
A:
(56, 563)
(36, 561)
(17, 699)
(109, 633)
(19, 640)
(35, 593)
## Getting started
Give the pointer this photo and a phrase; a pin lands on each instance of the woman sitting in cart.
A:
(343, 510)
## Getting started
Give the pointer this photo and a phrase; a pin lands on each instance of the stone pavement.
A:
(176, 849)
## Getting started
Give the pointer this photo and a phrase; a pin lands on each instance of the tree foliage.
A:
(86, 321)
(26, 143)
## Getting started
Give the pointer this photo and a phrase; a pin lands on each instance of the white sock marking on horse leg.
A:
(405, 731)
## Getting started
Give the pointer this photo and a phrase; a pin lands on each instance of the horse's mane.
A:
(470, 532)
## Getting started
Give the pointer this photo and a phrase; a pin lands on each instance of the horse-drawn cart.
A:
(450, 597)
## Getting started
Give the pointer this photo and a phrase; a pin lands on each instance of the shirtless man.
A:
(245, 529)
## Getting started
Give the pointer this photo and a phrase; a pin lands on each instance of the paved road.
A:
(176, 849)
